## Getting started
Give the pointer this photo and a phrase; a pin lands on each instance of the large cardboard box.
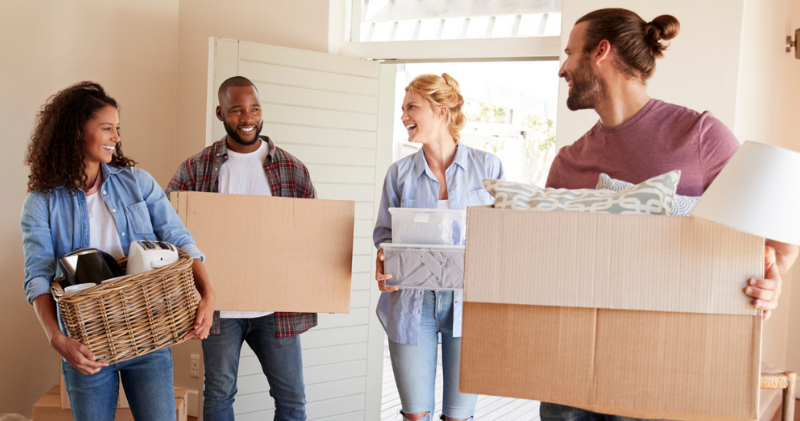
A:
(48, 407)
(273, 253)
(631, 315)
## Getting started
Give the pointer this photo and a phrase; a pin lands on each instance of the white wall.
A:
(47, 45)
(699, 70)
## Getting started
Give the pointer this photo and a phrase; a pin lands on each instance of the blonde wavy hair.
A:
(442, 90)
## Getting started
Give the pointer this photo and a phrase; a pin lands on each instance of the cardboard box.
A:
(631, 315)
(121, 403)
(48, 407)
(273, 253)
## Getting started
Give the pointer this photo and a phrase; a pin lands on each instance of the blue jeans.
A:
(148, 387)
(281, 360)
(555, 412)
(415, 366)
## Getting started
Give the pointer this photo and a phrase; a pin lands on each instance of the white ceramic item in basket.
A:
(148, 255)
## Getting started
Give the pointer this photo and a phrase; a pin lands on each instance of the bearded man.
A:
(610, 55)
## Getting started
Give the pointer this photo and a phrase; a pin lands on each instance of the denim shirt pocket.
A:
(139, 218)
(479, 197)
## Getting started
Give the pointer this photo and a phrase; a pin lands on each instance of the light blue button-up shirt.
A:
(410, 183)
(54, 224)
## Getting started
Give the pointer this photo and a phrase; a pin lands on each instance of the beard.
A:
(586, 88)
(233, 134)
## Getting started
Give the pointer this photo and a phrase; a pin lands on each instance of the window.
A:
(406, 20)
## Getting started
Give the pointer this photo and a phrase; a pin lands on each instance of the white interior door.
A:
(334, 114)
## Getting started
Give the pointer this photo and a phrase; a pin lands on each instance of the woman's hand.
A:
(380, 276)
(205, 317)
(205, 309)
(76, 354)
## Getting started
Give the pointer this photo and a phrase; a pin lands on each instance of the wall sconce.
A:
(790, 43)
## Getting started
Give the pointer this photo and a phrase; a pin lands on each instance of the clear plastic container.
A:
(426, 267)
(446, 227)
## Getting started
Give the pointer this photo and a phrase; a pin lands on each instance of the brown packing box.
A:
(273, 253)
(631, 315)
(48, 407)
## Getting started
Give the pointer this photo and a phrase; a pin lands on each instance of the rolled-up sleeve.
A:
(37, 245)
(166, 223)
(389, 199)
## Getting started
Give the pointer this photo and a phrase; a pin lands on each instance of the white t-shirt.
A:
(243, 173)
(103, 233)
(443, 204)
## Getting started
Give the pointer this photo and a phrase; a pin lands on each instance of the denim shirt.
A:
(410, 183)
(54, 224)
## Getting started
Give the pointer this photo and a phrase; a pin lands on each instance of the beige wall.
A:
(131, 48)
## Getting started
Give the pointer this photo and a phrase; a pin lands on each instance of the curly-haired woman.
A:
(84, 192)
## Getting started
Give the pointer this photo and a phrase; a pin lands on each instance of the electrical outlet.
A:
(194, 365)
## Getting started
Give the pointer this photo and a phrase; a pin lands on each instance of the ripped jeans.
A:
(415, 366)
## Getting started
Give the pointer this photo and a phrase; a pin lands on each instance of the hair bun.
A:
(451, 82)
(667, 27)
(662, 28)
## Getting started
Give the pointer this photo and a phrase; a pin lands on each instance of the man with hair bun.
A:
(611, 53)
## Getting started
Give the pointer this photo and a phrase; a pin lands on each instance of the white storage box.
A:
(419, 266)
(445, 227)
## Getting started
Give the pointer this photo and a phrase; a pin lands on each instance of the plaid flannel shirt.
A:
(288, 177)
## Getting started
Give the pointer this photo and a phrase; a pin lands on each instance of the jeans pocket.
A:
(139, 218)
(288, 341)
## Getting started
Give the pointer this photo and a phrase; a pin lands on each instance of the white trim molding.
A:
(493, 48)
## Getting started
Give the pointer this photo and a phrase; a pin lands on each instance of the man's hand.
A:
(766, 290)
(380, 276)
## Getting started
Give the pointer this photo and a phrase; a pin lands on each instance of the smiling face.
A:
(240, 112)
(101, 135)
(585, 89)
(420, 119)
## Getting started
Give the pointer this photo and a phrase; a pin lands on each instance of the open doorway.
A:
(511, 112)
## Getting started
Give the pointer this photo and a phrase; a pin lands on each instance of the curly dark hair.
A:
(56, 150)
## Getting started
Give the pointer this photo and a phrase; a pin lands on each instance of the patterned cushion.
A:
(681, 205)
(652, 197)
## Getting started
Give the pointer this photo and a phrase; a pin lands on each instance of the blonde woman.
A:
(444, 175)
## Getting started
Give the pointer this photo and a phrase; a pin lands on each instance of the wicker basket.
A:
(133, 315)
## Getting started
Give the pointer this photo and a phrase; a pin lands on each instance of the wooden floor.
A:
(489, 408)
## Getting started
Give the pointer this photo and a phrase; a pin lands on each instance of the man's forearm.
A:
(785, 255)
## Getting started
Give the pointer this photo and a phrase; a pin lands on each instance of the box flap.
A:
(592, 260)
(273, 253)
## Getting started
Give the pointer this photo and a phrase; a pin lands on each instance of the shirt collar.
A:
(107, 169)
(421, 165)
(221, 148)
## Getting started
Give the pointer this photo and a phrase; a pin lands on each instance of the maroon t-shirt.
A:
(662, 137)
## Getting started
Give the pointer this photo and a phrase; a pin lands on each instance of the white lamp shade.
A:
(758, 192)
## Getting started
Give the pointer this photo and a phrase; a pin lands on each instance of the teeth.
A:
(411, 126)
(248, 129)
(109, 148)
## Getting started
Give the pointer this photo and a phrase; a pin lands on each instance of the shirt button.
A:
(123, 234)
(450, 192)
(114, 210)
(104, 192)
(215, 170)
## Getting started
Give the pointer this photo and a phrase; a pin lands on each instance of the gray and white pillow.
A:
(681, 205)
(652, 197)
